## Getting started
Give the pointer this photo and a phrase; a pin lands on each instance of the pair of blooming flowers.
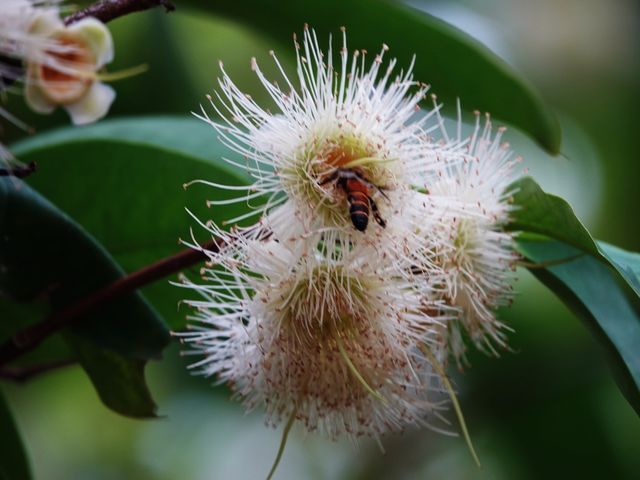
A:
(312, 312)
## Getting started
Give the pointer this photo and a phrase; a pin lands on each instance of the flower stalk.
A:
(454, 400)
(356, 373)
(283, 444)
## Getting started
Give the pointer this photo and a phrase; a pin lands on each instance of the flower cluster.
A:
(378, 247)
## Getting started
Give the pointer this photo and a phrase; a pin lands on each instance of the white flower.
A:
(474, 251)
(356, 121)
(325, 335)
(17, 44)
(16, 40)
(61, 62)
(68, 76)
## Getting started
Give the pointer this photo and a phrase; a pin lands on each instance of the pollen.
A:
(344, 151)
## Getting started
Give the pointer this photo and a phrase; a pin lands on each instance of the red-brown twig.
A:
(29, 338)
(24, 374)
(108, 10)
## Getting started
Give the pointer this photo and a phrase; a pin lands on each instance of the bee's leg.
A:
(330, 178)
(372, 186)
(381, 190)
(376, 213)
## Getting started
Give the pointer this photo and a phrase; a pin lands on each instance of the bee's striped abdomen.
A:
(359, 209)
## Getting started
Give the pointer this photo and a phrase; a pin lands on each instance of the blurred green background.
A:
(549, 409)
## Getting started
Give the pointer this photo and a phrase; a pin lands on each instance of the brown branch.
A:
(29, 338)
(19, 172)
(108, 10)
(23, 374)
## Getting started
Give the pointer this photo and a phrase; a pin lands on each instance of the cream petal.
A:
(46, 23)
(92, 106)
(98, 38)
(34, 97)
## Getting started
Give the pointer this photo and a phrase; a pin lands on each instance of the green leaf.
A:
(452, 62)
(119, 381)
(627, 264)
(601, 286)
(44, 255)
(14, 463)
(131, 172)
(596, 294)
(545, 214)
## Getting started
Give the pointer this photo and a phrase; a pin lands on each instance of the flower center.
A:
(327, 304)
(309, 177)
(67, 77)
(343, 152)
(465, 241)
(331, 353)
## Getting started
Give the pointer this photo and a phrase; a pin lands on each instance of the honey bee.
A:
(358, 190)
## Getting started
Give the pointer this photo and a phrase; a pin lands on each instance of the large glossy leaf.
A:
(131, 174)
(453, 63)
(627, 264)
(546, 214)
(13, 457)
(598, 281)
(595, 293)
(46, 256)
